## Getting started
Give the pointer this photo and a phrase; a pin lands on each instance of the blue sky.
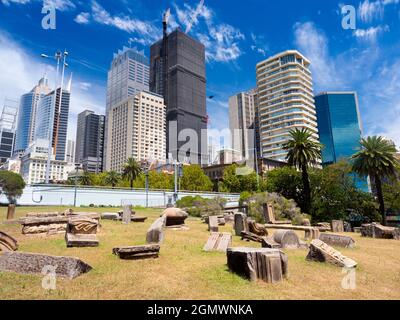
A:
(237, 35)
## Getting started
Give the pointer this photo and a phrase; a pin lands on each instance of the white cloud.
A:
(82, 18)
(16, 63)
(85, 86)
(8, 2)
(374, 10)
(62, 5)
(370, 34)
(259, 44)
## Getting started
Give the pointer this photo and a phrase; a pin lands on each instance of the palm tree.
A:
(377, 160)
(86, 179)
(112, 178)
(303, 151)
(131, 170)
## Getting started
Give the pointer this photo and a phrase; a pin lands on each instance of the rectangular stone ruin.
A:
(218, 242)
(284, 239)
(213, 224)
(312, 233)
(81, 232)
(155, 234)
(43, 214)
(357, 229)
(324, 226)
(32, 263)
(336, 240)
(337, 226)
(138, 252)
(378, 231)
(240, 223)
(110, 216)
(175, 217)
(56, 224)
(321, 252)
(257, 228)
(269, 265)
(246, 235)
(269, 215)
(309, 232)
(81, 240)
(126, 214)
(7, 242)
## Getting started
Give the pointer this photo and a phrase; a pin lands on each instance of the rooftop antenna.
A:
(166, 17)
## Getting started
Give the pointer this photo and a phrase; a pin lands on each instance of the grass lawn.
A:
(184, 271)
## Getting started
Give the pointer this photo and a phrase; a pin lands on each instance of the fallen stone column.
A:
(137, 252)
(336, 240)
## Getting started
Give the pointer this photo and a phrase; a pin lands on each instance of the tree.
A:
(194, 179)
(112, 178)
(12, 185)
(377, 160)
(131, 171)
(303, 151)
(86, 179)
(234, 182)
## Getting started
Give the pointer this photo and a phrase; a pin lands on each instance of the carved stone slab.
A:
(321, 252)
(213, 224)
(32, 263)
(7, 243)
(337, 226)
(269, 265)
(240, 223)
(126, 214)
(337, 240)
(257, 229)
(81, 240)
(376, 230)
(156, 232)
(218, 242)
(82, 226)
(137, 252)
(44, 225)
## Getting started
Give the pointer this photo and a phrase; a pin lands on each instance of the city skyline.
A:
(363, 60)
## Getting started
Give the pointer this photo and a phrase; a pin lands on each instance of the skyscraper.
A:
(26, 121)
(57, 120)
(136, 128)
(70, 152)
(242, 108)
(177, 72)
(285, 101)
(8, 119)
(90, 141)
(128, 75)
(339, 125)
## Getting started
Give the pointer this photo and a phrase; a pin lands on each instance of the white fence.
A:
(64, 196)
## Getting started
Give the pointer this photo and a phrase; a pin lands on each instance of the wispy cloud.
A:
(369, 11)
(82, 18)
(370, 34)
(259, 44)
(62, 5)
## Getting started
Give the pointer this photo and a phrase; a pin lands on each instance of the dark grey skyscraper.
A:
(177, 72)
(90, 141)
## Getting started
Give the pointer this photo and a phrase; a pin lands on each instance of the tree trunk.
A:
(379, 193)
(131, 184)
(307, 190)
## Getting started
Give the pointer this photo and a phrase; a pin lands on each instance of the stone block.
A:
(81, 240)
(155, 234)
(257, 228)
(56, 224)
(137, 252)
(174, 217)
(32, 263)
(82, 226)
(376, 230)
(288, 239)
(110, 216)
(337, 226)
(218, 242)
(321, 252)
(337, 240)
(269, 265)
(126, 214)
(240, 223)
(213, 224)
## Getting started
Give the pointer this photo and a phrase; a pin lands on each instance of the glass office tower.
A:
(339, 127)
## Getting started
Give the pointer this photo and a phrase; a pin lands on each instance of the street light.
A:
(77, 167)
(57, 56)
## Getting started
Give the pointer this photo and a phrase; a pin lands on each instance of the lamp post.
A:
(77, 166)
(58, 56)
(146, 172)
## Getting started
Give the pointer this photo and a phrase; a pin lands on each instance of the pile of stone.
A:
(376, 230)
(269, 265)
(175, 217)
(150, 251)
(81, 232)
(31, 263)
(7, 243)
(218, 242)
(336, 240)
(284, 239)
(321, 252)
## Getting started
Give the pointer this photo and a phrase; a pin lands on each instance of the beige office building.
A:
(136, 128)
(285, 101)
(242, 110)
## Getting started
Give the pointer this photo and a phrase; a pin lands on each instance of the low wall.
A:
(64, 196)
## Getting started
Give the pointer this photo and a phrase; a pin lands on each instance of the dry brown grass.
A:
(184, 271)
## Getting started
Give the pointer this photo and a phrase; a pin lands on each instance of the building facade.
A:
(8, 120)
(340, 128)
(177, 72)
(242, 117)
(90, 141)
(70, 151)
(136, 128)
(34, 164)
(55, 121)
(26, 121)
(285, 101)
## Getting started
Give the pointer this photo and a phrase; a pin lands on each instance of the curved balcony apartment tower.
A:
(286, 101)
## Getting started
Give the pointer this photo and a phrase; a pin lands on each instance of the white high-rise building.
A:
(242, 109)
(70, 152)
(136, 128)
(285, 101)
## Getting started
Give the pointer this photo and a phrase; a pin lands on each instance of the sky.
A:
(237, 35)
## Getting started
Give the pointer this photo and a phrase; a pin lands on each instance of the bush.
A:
(198, 206)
